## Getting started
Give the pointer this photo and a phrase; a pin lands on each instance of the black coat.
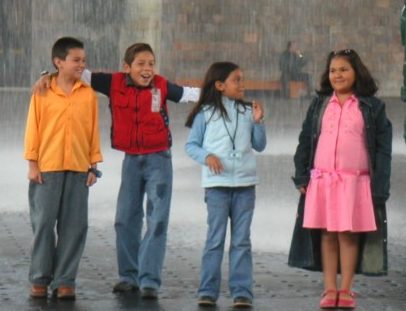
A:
(305, 247)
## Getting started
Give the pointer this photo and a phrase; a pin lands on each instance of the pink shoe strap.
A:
(328, 291)
(346, 292)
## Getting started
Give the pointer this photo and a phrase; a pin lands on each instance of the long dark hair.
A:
(364, 85)
(209, 95)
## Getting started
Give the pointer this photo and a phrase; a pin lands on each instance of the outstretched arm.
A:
(182, 94)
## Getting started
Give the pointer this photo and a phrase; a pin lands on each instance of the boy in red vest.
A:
(140, 129)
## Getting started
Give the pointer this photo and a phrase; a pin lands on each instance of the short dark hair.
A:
(364, 85)
(61, 47)
(134, 49)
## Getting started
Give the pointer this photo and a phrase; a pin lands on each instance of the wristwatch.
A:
(44, 73)
(95, 171)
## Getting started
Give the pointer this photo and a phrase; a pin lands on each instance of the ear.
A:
(57, 62)
(126, 68)
(219, 86)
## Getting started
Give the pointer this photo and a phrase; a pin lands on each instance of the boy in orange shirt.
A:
(62, 146)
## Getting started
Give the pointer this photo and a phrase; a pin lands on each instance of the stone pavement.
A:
(277, 287)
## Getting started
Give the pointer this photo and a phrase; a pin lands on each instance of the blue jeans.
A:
(60, 201)
(140, 259)
(238, 205)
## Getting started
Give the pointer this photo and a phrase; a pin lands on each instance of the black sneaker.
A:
(242, 303)
(124, 287)
(206, 301)
(149, 293)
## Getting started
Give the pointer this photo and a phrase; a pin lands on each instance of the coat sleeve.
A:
(383, 154)
(301, 158)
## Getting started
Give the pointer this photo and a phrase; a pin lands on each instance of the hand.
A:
(42, 85)
(91, 179)
(257, 111)
(214, 164)
(302, 190)
(34, 173)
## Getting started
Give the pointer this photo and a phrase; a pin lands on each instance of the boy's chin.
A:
(143, 82)
(75, 77)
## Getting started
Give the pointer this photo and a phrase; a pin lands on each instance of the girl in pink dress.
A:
(345, 144)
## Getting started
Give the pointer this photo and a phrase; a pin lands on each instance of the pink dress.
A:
(338, 197)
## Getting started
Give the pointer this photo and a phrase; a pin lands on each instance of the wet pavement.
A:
(277, 286)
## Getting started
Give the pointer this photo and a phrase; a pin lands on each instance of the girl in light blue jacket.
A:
(224, 132)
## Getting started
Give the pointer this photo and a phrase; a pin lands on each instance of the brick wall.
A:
(253, 33)
(188, 35)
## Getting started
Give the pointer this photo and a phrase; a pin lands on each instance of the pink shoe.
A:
(326, 302)
(347, 302)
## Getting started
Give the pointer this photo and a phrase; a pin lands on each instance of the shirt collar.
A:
(58, 90)
(350, 99)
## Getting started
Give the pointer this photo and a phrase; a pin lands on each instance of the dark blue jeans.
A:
(140, 258)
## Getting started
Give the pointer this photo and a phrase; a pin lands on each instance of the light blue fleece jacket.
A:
(209, 135)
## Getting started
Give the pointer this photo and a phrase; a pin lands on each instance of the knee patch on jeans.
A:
(161, 190)
(159, 230)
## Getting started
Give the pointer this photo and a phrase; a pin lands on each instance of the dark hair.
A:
(209, 95)
(365, 84)
(134, 49)
(61, 47)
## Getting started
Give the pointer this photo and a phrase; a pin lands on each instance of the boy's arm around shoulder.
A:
(193, 146)
(99, 81)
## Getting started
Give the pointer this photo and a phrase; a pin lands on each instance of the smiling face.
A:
(73, 65)
(142, 69)
(233, 86)
(341, 76)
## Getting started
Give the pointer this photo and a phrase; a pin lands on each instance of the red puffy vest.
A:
(139, 126)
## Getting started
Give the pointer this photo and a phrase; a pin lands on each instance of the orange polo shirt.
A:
(62, 132)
